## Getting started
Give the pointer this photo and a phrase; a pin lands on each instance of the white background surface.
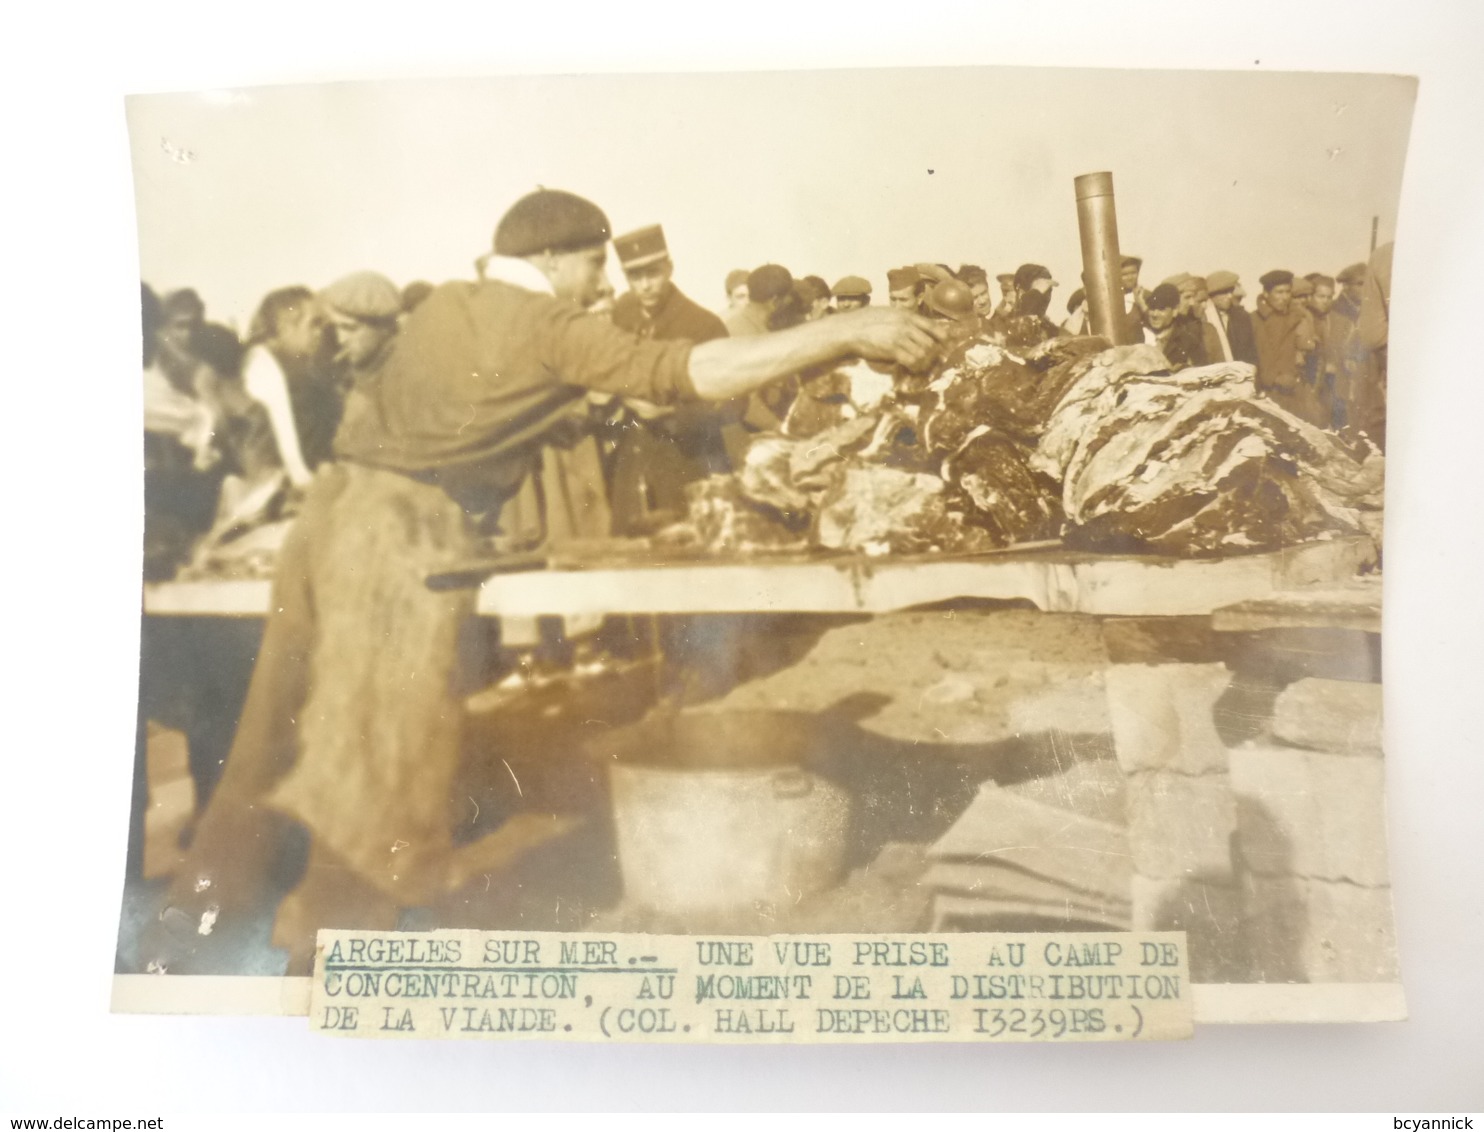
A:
(72, 476)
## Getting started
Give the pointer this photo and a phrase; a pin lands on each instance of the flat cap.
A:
(1131, 261)
(1164, 297)
(769, 282)
(1220, 281)
(1276, 278)
(736, 278)
(1301, 288)
(1027, 273)
(363, 294)
(899, 277)
(550, 220)
(1006, 277)
(1197, 284)
(1179, 280)
(1355, 273)
(852, 286)
(641, 247)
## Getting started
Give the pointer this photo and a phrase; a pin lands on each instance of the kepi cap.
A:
(641, 247)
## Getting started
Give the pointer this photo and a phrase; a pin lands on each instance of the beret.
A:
(1028, 273)
(853, 285)
(1318, 278)
(736, 279)
(550, 220)
(1164, 297)
(768, 282)
(1219, 281)
(1302, 287)
(1355, 273)
(363, 294)
(1277, 278)
(900, 277)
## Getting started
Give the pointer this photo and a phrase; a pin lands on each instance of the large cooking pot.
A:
(723, 810)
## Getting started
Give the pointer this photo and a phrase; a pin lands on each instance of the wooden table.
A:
(1052, 579)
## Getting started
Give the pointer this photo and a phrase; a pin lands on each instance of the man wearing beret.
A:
(659, 452)
(852, 293)
(1177, 335)
(354, 722)
(1285, 338)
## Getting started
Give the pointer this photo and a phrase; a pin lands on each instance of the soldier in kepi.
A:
(659, 451)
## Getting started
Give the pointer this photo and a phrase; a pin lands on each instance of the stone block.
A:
(1330, 715)
(1163, 716)
(1310, 814)
(1302, 930)
(1210, 913)
(1181, 825)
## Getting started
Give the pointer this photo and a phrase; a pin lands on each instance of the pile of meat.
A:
(1101, 447)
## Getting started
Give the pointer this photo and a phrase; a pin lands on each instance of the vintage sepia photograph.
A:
(859, 501)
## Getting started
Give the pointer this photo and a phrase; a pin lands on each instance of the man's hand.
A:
(893, 335)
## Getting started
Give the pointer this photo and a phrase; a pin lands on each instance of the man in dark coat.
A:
(659, 452)
(1232, 318)
(1285, 337)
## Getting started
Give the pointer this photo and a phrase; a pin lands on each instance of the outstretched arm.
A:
(731, 367)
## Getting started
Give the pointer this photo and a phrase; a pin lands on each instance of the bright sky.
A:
(826, 172)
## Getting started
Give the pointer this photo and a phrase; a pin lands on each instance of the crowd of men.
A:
(224, 416)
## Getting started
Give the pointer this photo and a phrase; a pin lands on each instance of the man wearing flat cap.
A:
(1346, 354)
(1285, 338)
(852, 293)
(363, 308)
(1135, 298)
(354, 722)
(1231, 320)
(659, 452)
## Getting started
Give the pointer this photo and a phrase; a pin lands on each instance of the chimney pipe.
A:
(1097, 220)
